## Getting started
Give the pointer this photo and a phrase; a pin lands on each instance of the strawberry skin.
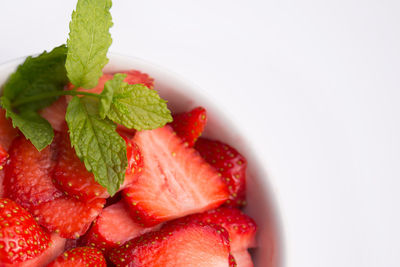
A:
(242, 229)
(113, 227)
(230, 164)
(3, 157)
(28, 174)
(21, 237)
(183, 244)
(82, 256)
(71, 175)
(68, 216)
(135, 162)
(7, 132)
(189, 125)
(135, 77)
(175, 180)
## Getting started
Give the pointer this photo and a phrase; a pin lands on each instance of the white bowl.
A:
(183, 95)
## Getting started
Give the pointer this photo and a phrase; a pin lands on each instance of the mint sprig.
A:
(88, 43)
(92, 118)
(134, 106)
(96, 142)
(44, 74)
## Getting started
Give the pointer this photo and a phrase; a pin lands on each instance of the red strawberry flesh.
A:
(190, 125)
(7, 132)
(68, 216)
(71, 175)
(190, 244)
(55, 113)
(243, 258)
(242, 229)
(175, 180)
(230, 164)
(113, 227)
(21, 238)
(28, 179)
(81, 256)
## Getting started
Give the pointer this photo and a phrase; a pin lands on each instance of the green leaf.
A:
(138, 107)
(38, 75)
(88, 43)
(97, 143)
(34, 127)
(108, 92)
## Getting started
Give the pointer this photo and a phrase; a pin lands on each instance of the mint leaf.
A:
(97, 143)
(108, 92)
(136, 106)
(89, 40)
(38, 75)
(34, 127)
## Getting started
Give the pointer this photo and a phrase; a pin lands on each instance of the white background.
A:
(315, 86)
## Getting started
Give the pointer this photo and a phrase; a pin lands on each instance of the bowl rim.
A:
(196, 92)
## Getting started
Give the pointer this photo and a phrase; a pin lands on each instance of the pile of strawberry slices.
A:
(178, 206)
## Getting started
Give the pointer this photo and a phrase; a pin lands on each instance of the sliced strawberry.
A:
(113, 227)
(21, 238)
(190, 244)
(55, 113)
(28, 178)
(3, 159)
(7, 132)
(232, 261)
(243, 258)
(135, 77)
(67, 216)
(82, 256)
(175, 180)
(190, 125)
(99, 87)
(71, 175)
(230, 164)
(242, 229)
(135, 162)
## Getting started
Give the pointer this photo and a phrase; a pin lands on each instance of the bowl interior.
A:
(182, 96)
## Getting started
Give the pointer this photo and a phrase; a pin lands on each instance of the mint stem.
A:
(37, 97)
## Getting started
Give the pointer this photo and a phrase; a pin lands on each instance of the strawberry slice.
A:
(55, 113)
(190, 125)
(135, 162)
(21, 238)
(243, 258)
(186, 244)
(56, 247)
(3, 159)
(231, 166)
(175, 180)
(82, 256)
(7, 132)
(113, 227)
(133, 77)
(28, 178)
(71, 175)
(67, 216)
(242, 229)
